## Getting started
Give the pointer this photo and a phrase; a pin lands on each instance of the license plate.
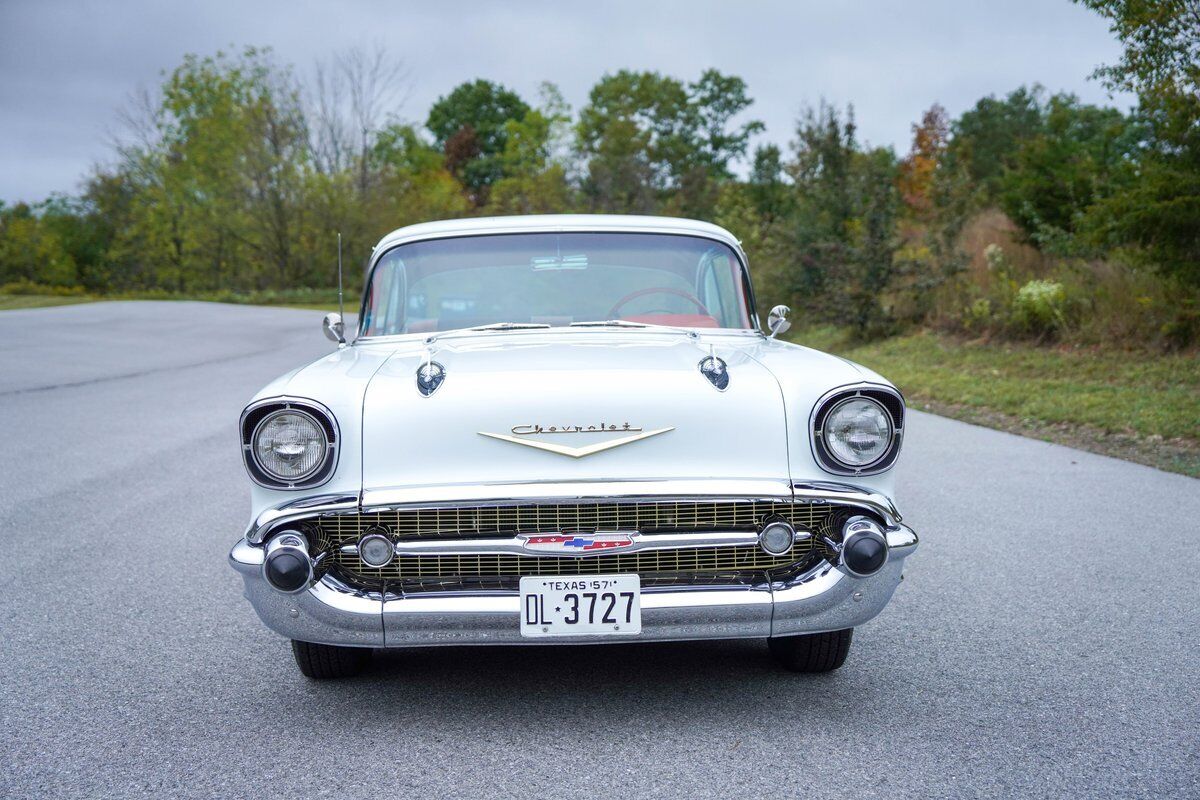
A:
(576, 606)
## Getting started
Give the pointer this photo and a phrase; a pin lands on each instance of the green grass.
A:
(9, 302)
(1137, 405)
(34, 296)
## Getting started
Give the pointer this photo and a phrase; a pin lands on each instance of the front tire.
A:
(326, 661)
(812, 652)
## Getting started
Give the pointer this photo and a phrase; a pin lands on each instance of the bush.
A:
(28, 287)
(1040, 308)
(978, 317)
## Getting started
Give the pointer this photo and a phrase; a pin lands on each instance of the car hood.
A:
(635, 407)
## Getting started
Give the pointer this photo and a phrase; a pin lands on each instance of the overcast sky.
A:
(66, 66)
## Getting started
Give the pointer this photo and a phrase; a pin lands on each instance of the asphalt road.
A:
(1043, 644)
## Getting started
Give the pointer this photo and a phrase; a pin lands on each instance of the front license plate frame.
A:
(565, 606)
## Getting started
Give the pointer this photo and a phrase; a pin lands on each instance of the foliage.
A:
(985, 140)
(31, 249)
(1028, 216)
(472, 126)
(1040, 306)
(844, 229)
(648, 139)
(1161, 64)
(1080, 156)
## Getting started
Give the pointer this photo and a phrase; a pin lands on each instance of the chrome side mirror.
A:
(777, 320)
(335, 328)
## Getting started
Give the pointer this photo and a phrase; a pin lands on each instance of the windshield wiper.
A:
(509, 326)
(624, 323)
(609, 323)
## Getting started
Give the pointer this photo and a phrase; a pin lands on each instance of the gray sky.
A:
(67, 66)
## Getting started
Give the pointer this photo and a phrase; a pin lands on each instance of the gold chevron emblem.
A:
(576, 452)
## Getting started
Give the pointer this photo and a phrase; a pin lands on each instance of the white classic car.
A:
(564, 430)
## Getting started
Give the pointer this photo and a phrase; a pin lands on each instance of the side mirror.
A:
(777, 320)
(335, 328)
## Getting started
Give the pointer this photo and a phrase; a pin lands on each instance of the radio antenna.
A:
(341, 303)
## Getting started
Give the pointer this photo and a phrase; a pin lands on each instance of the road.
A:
(1043, 643)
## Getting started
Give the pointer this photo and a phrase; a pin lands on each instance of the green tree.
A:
(31, 250)
(1083, 155)
(535, 179)
(470, 125)
(216, 178)
(645, 136)
(844, 233)
(1161, 64)
(986, 139)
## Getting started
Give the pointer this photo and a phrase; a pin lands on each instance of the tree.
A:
(31, 251)
(645, 136)
(1083, 155)
(985, 140)
(844, 235)
(470, 125)
(919, 169)
(1161, 63)
(535, 179)
(217, 176)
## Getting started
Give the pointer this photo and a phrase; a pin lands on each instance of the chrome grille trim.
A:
(516, 545)
(479, 495)
(671, 537)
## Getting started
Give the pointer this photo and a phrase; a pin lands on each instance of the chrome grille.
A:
(646, 517)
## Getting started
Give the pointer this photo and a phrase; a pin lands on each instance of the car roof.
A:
(557, 223)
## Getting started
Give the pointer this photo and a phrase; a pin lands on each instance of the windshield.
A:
(555, 279)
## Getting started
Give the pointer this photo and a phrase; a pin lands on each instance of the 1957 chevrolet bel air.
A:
(566, 430)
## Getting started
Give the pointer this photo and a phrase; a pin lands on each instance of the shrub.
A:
(28, 287)
(1040, 308)
(978, 316)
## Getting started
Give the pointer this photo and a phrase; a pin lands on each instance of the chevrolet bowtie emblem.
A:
(576, 452)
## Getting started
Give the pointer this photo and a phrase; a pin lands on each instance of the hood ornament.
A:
(430, 375)
(716, 370)
(521, 434)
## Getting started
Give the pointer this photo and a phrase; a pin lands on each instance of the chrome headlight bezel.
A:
(887, 398)
(259, 412)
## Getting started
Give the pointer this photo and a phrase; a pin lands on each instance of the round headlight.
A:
(857, 431)
(289, 445)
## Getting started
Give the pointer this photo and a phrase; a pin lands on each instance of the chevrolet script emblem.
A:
(521, 434)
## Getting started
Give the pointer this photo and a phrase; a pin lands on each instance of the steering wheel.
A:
(691, 298)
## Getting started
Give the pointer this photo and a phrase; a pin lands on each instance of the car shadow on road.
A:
(687, 677)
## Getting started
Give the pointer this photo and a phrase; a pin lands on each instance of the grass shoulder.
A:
(1141, 406)
(19, 296)
(14, 302)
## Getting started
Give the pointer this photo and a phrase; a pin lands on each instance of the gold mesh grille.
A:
(646, 517)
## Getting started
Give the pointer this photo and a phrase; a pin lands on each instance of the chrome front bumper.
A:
(331, 612)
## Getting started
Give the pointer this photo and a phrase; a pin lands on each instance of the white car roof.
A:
(551, 223)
